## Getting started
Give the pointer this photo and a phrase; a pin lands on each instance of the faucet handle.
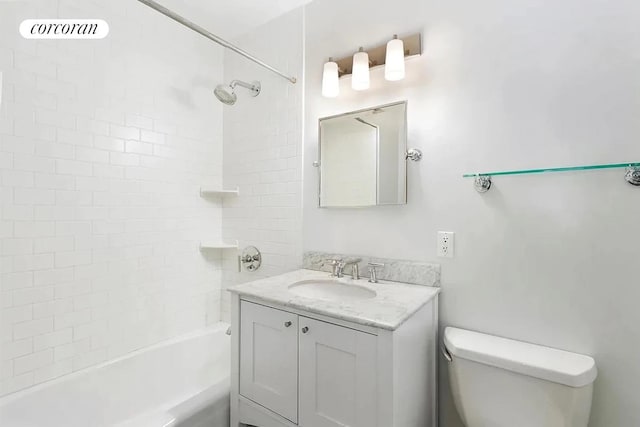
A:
(373, 276)
(336, 266)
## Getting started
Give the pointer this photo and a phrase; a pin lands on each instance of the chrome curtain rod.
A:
(198, 29)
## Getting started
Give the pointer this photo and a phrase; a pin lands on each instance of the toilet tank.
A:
(498, 382)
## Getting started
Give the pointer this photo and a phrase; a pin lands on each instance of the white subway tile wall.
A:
(263, 154)
(103, 147)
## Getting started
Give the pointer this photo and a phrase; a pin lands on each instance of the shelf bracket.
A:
(633, 175)
(482, 183)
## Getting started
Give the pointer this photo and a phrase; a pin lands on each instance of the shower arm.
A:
(198, 29)
(240, 83)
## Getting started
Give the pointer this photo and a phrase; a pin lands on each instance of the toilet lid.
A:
(559, 366)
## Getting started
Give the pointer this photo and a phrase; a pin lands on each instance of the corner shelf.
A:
(218, 192)
(204, 245)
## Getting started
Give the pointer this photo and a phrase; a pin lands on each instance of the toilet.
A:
(499, 382)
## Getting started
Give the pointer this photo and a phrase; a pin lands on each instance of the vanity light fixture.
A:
(394, 60)
(330, 84)
(391, 55)
(360, 75)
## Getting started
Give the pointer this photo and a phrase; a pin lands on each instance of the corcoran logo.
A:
(64, 29)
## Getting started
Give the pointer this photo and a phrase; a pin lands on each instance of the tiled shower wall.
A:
(103, 147)
(263, 153)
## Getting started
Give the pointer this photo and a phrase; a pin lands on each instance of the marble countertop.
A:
(394, 303)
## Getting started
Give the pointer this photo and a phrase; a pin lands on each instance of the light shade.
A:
(394, 61)
(330, 85)
(360, 71)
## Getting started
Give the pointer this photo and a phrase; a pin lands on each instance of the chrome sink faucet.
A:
(353, 262)
(338, 265)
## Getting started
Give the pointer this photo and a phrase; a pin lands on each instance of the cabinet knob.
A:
(305, 330)
(287, 324)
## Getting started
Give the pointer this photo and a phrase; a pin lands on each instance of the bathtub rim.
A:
(219, 327)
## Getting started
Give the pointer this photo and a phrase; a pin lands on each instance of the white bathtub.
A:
(182, 382)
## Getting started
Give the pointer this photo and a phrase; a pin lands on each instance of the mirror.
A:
(363, 157)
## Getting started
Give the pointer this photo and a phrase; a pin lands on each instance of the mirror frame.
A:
(317, 164)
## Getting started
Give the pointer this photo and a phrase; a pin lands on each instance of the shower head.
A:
(226, 93)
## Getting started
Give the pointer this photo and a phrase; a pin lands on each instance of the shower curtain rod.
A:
(198, 29)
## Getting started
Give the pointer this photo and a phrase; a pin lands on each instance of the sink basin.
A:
(331, 290)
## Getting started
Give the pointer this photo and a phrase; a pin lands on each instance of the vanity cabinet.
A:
(269, 358)
(293, 368)
(286, 360)
(337, 375)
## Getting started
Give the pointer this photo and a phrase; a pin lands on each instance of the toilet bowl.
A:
(498, 382)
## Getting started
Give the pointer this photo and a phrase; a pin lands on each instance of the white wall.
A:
(103, 147)
(263, 152)
(505, 85)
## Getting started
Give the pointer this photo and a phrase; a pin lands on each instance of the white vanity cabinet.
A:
(269, 358)
(337, 368)
(291, 367)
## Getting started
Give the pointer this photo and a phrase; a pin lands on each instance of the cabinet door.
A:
(338, 386)
(269, 358)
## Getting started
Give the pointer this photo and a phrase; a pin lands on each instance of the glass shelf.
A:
(483, 180)
(564, 169)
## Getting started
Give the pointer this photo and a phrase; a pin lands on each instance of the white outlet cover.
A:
(446, 244)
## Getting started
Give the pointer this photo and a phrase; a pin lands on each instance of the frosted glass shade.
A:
(330, 84)
(394, 61)
(360, 71)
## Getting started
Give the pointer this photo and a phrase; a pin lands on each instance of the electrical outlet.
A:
(445, 244)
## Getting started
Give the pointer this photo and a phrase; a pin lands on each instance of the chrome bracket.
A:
(482, 183)
(633, 175)
(251, 258)
(413, 154)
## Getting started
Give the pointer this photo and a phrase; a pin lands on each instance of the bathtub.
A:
(182, 382)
